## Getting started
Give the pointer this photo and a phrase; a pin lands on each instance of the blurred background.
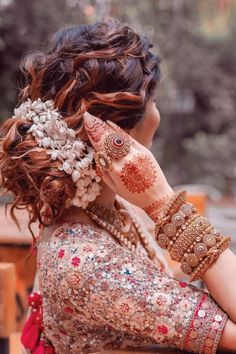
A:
(195, 144)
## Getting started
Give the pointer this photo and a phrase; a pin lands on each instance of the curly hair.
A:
(105, 68)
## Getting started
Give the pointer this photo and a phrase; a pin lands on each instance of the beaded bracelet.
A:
(171, 208)
(189, 242)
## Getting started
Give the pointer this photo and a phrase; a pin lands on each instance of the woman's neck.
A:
(106, 198)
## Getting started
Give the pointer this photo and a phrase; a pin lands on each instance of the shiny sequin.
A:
(218, 318)
(215, 325)
(201, 313)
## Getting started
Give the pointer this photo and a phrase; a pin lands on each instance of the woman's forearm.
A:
(220, 280)
(202, 250)
(228, 338)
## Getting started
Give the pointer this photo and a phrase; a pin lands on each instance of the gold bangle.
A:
(181, 231)
(171, 207)
(171, 226)
(189, 237)
(210, 259)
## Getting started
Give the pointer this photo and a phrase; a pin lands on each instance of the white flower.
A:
(39, 133)
(78, 145)
(46, 142)
(87, 180)
(38, 106)
(77, 202)
(21, 111)
(80, 191)
(43, 118)
(33, 128)
(91, 195)
(54, 154)
(70, 156)
(76, 157)
(35, 119)
(49, 104)
(66, 167)
(95, 187)
(30, 115)
(62, 133)
(83, 164)
(75, 176)
(40, 127)
(80, 184)
(84, 197)
(98, 179)
(92, 173)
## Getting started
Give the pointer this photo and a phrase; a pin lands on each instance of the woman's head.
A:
(105, 68)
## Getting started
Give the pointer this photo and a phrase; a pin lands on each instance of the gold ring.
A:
(102, 160)
(116, 145)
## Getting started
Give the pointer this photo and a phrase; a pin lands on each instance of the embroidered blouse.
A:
(97, 296)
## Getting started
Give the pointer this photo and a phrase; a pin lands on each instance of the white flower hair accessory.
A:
(76, 156)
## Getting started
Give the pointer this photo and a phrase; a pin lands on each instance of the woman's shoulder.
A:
(84, 251)
(78, 231)
(74, 243)
(74, 236)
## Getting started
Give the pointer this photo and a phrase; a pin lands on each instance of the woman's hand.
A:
(126, 166)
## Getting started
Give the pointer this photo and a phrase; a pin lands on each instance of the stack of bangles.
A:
(189, 237)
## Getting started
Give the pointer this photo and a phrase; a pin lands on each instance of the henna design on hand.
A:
(138, 174)
(154, 209)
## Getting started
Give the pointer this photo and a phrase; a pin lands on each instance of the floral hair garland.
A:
(51, 132)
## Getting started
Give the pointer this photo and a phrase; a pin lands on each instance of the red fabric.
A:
(40, 349)
(43, 349)
(33, 328)
(31, 331)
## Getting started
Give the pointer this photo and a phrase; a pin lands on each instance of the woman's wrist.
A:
(154, 206)
(227, 340)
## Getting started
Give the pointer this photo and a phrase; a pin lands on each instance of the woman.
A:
(102, 284)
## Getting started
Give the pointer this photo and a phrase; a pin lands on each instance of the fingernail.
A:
(113, 125)
(89, 119)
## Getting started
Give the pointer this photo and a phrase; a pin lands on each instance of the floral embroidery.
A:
(68, 309)
(161, 300)
(74, 279)
(162, 329)
(108, 298)
(182, 284)
(75, 261)
(61, 253)
(87, 248)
